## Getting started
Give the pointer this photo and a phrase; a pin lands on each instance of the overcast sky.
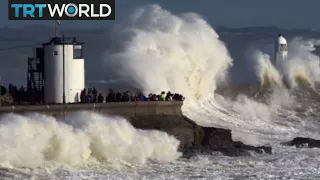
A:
(230, 13)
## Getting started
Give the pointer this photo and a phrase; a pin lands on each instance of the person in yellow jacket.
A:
(163, 96)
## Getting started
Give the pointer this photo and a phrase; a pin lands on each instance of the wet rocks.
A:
(197, 139)
(301, 142)
(217, 139)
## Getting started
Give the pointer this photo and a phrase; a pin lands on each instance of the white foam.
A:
(265, 70)
(301, 62)
(161, 51)
(33, 140)
(253, 121)
(182, 53)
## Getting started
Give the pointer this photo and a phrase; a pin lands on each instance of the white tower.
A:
(64, 74)
(281, 51)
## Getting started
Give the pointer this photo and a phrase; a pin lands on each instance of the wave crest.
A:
(161, 51)
(33, 140)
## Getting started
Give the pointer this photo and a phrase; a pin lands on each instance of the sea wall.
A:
(163, 116)
(126, 109)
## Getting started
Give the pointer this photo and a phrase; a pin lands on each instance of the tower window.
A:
(77, 52)
(55, 53)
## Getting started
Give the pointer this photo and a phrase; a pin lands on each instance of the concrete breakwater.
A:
(161, 115)
(126, 109)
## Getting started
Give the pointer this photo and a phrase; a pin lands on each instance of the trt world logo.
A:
(61, 10)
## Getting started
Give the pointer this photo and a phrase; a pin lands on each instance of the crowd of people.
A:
(92, 96)
(15, 95)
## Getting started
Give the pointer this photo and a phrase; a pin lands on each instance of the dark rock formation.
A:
(194, 138)
(217, 139)
(300, 142)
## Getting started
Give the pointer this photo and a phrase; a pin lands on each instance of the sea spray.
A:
(301, 67)
(156, 51)
(268, 74)
(33, 140)
(114, 139)
(267, 115)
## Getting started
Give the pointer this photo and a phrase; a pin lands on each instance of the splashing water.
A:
(33, 140)
(302, 66)
(268, 74)
(162, 51)
(182, 53)
(275, 119)
(155, 50)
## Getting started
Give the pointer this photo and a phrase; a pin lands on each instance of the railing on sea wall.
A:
(128, 109)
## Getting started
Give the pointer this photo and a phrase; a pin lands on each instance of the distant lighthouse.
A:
(281, 51)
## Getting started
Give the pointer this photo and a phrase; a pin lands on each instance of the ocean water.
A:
(157, 51)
